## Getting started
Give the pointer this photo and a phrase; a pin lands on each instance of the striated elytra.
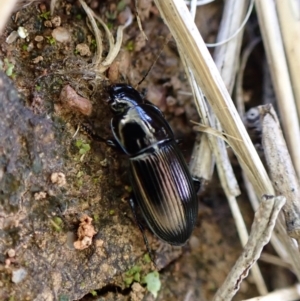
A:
(163, 188)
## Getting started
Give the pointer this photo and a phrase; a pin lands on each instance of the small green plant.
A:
(24, 47)
(93, 45)
(45, 15)
(82, 146)
(93, 293)
(111, 15)
(132, 275)
(147, 258)
(121, 5)
(152, 282)
(56, 223)
(38, 88)
(130, 46)
(96, 217)
(9, 67)
(51, 40)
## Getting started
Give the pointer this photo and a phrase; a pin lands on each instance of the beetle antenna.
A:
(155, 61)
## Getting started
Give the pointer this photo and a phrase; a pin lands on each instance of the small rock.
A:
(39, 38)
(43, 7)
(39, 45)
(68, 8)
(71, 100)
(7, 262)
(48, 23)
(56, 21)
(58, 178)
(12, 37)
(40, 196)
(11, 253)
(30, 47)
(18, 275)
(37, 59)
(61, 34)
(22, 32)
(83, 49)
(171, 101)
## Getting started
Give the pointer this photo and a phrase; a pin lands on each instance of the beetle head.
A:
(122, 96)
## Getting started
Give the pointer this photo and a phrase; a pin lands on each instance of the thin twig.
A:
(281, 169)
(269, 26)
(286, 294)
(262, 228)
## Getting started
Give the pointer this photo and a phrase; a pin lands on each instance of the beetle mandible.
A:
(162, 185)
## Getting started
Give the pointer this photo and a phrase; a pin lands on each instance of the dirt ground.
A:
(52, 175)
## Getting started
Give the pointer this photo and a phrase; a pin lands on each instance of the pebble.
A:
(18, 275)
(61, 34)
(83, 49)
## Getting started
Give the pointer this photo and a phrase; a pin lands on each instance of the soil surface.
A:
(54, 177)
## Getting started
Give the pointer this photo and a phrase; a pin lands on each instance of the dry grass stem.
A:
(286, 294)
(289, 17)
(276, 243)
(200, 168)
(270, 30)
(240, 75)
(100, 66)
(281, 169)
(262, 228)
(90, 14)
(7, 7)
(275, 260)
(226, 56)
(186, 34)
(52, 6)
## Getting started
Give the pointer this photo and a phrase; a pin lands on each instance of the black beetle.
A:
(162, 185)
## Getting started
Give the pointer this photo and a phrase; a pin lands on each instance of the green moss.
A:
(130, 46)
(132, 275)
(57, 223)
(63, 298)
(82, 146)
(51, 40)
(121, 5)
(93, 293)
(147, 258)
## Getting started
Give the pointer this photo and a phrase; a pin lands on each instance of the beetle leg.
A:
(197, 185)
(133, 206)
(110, 142)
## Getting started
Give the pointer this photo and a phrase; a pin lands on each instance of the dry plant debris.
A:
(281, 169)
(282, 174)
(261, 231)
(85, 233)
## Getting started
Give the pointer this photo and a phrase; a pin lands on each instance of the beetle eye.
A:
(118, 105)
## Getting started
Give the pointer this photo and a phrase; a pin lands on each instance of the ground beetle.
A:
(162, 185)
